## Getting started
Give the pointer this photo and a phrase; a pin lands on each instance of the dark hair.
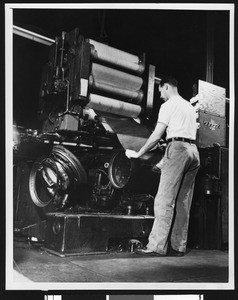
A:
(170, 80)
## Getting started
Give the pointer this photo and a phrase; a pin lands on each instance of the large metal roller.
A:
(116, 82)
(113, 106)
(116, 57)
(135, 96)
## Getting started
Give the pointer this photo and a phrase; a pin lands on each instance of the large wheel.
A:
(71, 163)
(122, 170)
(53, 178)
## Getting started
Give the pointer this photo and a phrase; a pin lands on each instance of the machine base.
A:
(91, 233)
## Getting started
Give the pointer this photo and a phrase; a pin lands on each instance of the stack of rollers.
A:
(109, 75)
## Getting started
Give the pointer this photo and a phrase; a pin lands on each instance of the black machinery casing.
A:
(90, 233)
(212, 130)
(208, 227)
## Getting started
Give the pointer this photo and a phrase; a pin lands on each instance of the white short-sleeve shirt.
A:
(180, 118)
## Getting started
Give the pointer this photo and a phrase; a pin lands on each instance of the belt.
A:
(181, 139)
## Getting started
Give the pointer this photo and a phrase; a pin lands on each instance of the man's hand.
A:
(132, 153)
(150, 143)
(196, 98)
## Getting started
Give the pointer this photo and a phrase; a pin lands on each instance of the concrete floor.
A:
(201, 266)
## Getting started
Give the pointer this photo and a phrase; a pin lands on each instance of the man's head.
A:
(168, 87)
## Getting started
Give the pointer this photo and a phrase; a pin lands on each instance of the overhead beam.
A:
(32, 36)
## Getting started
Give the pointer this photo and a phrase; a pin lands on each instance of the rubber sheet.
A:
(131, 134)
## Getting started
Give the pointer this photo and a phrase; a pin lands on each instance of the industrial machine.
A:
(95, 102)
(79, 191)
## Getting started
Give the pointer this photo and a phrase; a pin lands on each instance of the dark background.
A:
(174, 41)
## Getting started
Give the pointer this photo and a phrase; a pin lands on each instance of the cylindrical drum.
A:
(113, 106)
(115, 81)
(134, 96)
(116, 57)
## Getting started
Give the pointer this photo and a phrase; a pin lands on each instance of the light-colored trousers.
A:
(174, 197)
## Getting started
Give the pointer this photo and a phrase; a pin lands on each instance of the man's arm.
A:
(151, 142)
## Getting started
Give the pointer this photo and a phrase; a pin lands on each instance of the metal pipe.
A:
(32, 36)
(157, 80)
(210, 48)
(56, 50)
(62, 49)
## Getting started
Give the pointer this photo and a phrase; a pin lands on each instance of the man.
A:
(178, 170)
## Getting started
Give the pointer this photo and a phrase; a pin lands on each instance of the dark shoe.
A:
(175, 253)
(147, 252)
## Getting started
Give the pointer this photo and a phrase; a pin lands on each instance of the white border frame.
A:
(10, 284)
